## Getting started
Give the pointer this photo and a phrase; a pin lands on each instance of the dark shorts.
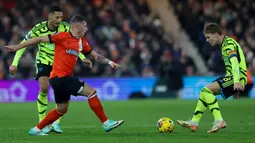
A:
(64, 87)
(226, 86)
(42, 70)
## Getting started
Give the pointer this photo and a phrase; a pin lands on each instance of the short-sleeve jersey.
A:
(230, 48)
(67, 49)
(45, 52)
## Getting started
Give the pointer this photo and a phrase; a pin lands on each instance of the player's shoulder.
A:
(64, 34)
(39, 26)
(63, 23)
(228, 41)
(64, 26)
(43, 23)
(229, 38)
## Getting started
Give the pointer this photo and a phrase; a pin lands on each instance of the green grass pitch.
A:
(80, 125)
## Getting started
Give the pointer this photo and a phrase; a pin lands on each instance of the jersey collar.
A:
(73, 35)
(223, 41)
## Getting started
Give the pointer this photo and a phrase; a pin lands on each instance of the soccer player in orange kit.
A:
(68, 45)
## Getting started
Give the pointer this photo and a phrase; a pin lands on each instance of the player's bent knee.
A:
(44, 84)
(62, 108)
(205, 89)
(92, 94)
(44, 88)
(214, 87)
(62, 111)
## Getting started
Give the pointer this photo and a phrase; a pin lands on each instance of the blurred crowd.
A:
(125, 31)
(236, 18)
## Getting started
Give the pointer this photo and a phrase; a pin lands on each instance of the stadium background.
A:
(159, 45)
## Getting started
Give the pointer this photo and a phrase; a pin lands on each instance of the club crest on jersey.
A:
(72, 52)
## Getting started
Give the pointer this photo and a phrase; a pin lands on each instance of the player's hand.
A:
(11, 48)
(13, 69)
(238, 86)
(87, 62)
(114, 65)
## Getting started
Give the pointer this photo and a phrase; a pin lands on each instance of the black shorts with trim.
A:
(226, 86)
(64, 87)
(42, 70)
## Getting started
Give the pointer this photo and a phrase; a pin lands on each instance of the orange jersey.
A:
(67, 49)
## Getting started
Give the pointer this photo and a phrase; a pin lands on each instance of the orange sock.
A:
(97, 107)
(52, 116)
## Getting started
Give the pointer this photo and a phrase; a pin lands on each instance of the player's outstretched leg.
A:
(50, 118)
(42, 104)
(206, 99)
(97, 108)
(193, 123)
(55, 127)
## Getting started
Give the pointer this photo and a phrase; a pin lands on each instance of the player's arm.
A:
(232, 54)
(18, 55)
(13, 68)
(235, 69)
(88, 51)
(234, 63)
(29, 42)
(103, 60)
(31, 34)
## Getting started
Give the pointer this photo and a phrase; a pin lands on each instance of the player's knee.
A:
(44, 87)
(62, 110)
(44, 90)
(92, 94)
(44, 84)
(204, 90)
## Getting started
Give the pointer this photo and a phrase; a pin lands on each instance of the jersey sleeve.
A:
(86, 49)
(18, 55)
(235, 69)
(231, 51)
(56, 37)
(232, 55)
(31, 34)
